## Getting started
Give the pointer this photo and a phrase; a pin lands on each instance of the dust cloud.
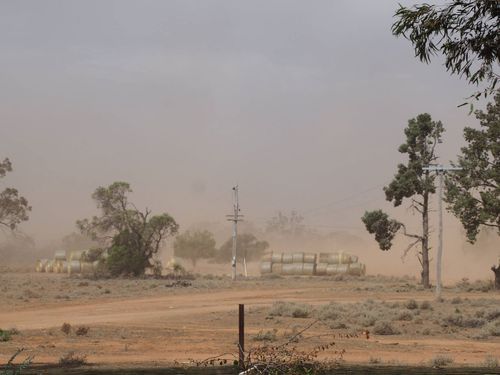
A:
(302, 104)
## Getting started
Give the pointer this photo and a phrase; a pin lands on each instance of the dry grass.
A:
(71, 359)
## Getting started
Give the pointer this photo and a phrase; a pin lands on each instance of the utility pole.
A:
(440, 171)
(235, 217)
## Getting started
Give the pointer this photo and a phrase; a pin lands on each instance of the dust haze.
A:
(301, 104)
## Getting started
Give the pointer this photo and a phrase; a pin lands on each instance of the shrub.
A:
(405, 316)
(66, 328)
(456, 301)
(412, 304)
(290, 309)
(72, 359)
(385, 328)
(425, 305)
(5, 335)
(459, 321)
(266, 336)
(490, 362)
(492, 315)
(441, 361)
(332, 311)
(82, 331)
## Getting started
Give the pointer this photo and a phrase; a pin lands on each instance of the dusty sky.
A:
(301, 103)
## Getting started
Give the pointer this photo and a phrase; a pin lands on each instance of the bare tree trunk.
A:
(425, 242)
(496, 271)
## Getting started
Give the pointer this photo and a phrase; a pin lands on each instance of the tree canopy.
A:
(14, 208)
(248, 246)
(194, 246)
(465, 32)
(413, 183)
(131, 237)
(473, 194)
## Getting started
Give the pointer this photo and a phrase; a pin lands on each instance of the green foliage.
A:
(465, 32)
(5, 335)
(422, 137)
(195, 245)
(410, 182)
(13, 207)
(385, 229)
(135, 236)
(248, 246)
(473, 194)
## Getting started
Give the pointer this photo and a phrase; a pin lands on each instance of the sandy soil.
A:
(153, 321)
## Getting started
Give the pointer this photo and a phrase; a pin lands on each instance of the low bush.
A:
(412, 304)
(266, 336)
(5, 335)
(458, 320)
(385, 328)
(71, 359)
(490, 362)
(425, 305)
(82, 331)
(290, 309)
(66, 328)
(441, 361)
(405, 316)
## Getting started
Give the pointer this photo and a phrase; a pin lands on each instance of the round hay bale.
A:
(308, 269)
(287, 258)
(76, 255)
(63, 267)
(60, 255)
(55, 266)
(95, 265)
(339, 258)
(309, 258)
(292, 268)
(74, 267)
(321, 269)
(323, 257)
(298, 258)
(359, 269)
(265, 267)
(267, 257)
(277, 268)
(277, 258)
(40, 265)
(86, 268)
(49, 267)
(354, 258)
(334, 269)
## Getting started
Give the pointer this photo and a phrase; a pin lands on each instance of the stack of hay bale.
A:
(75, 264)
(311, 264)
(339, 263)
(289, 264)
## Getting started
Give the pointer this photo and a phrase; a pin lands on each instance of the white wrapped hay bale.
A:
(298, 258)
(267, 257)
(277, 258)
(292, 269)
(357, 269)
(287, 258)
(308, 269)
(335, 269)
(321, 269)
(277, 268)
(60, 255)
(74, 267)
(265, 267)
(309, 258)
